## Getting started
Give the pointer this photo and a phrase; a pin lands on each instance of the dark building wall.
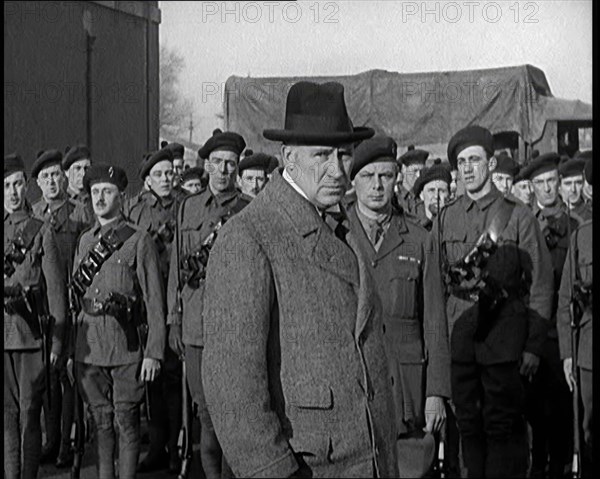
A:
(51, 98)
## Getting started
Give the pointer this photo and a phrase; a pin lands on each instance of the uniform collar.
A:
(103, 229)
(77, 195)
(482, 203)
(153, 199)
(17, 216)
(220, 198)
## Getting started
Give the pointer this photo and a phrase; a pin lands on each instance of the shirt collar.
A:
(287, 177)
(485, 202)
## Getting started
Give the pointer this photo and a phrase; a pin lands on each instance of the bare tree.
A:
(175, 109)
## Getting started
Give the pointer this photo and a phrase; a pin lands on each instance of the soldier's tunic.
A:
(199, 214)
(24, 379)
(421, 217)
(107, 357)
(583, 210)
(416, 345)
(486, 385)
(407, 199)
(548, 408)
(82, 197)
(156, 216)
(67, 218)
(579, 269)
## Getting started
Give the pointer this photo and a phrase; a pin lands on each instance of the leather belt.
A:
(92, 306)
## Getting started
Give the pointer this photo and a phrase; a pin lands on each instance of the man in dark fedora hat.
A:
(294, 376)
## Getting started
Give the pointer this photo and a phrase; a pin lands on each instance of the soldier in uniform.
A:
(67, 218)
(35, 310)
(433, 183)
(200, 217)
(549, 410)
(576, 289)
(571, 188)
(413, 161)
(120, 327)
(495, 337)
(155, 212)
(416, 346)
(522, 189)
(75, 163)
(252, 172)
(178, 150)
(192, 180)
(503, 175)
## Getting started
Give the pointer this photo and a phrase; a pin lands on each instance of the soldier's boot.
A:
(128, 420)
(52, 419)
(31, 441)
(65, 455)
(12, 445)
(174, 413)
(474, 452)
(105, 441)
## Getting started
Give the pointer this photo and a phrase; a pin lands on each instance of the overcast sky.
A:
(219, 39)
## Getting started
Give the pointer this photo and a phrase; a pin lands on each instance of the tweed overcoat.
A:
(294, 368)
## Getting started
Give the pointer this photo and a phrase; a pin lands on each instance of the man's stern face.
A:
(474, 168)
(431, 192)
(160, 178)
(374, 185)
(545, 188)
(221, 167)
(106, 200)
(321, 172)
(76, 172)
(570, 189)
(51, 181)
(252, 181)
(14, 191)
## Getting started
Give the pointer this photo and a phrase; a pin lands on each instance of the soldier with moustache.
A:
(416, 344)
(200, 218)
(433, 189)
(155, 212)
(576, 288)
(413, 161)
(496, 338)
(120, 325)
(549, 410)
(571, 188)
(35, 313)
(75, 163)
(67, 218)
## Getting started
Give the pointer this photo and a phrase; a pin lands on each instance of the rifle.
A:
(184, 442)
(79, 431)
(574, 319)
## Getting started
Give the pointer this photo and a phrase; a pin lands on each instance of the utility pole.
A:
(191, 127)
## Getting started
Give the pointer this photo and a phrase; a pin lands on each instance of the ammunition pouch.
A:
(18, 247)
(15, 300)
(96, 257)
(193, 266)
(125, 309)
(582, 299)
(29, 304)
(164, 235)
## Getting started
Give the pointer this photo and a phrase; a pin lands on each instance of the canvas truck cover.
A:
(414, 108)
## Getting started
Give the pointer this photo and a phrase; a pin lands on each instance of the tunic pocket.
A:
(405, 289)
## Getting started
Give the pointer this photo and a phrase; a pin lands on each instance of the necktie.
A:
(375, 232)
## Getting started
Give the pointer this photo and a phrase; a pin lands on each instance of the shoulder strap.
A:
(501, 219)
(29, 232)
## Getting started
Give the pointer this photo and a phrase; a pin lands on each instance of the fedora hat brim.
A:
(319, 138)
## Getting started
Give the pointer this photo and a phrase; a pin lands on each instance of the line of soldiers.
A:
(469, 298)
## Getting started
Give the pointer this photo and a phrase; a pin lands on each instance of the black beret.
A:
(228, 140)
(164, 154)
(433, 173)
(470, 136)
(103, 173)
(190, 173)
(259, 161)
(541, 164)
(177, 149)
(584, 155)
(73, 154)
(588, 171)
(163, 143)
(571, 167)
(13, 163)
(46, 159)
(505, 164)
(413, 155)
(378, 148)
